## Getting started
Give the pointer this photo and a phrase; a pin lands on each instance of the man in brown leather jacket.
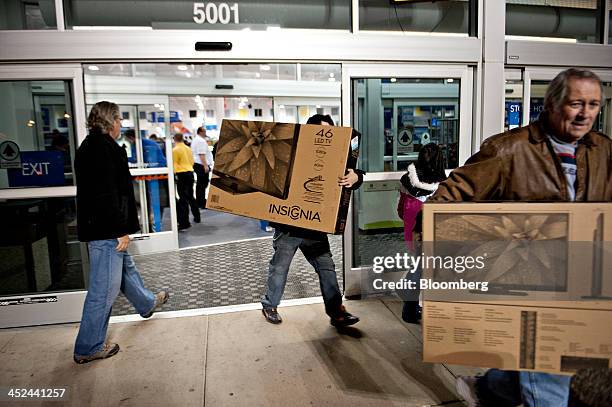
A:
(556, 158)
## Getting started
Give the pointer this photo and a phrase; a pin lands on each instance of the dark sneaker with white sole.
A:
(160, 299)
(272, 315)
(108, 350)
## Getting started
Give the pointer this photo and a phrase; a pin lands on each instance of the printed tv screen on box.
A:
(545, 277)
(284, 173)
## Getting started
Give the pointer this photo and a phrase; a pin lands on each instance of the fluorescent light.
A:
(182, 67)
(110, 28)
(264, 67)
(544, 39)
(93, 68)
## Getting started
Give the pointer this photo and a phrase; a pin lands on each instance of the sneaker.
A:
(272, 315)
(344, 318)
(108, 350)
(466, 388)
(160, 299)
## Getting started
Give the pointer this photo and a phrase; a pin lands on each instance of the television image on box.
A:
(527, 252)
(255, 156)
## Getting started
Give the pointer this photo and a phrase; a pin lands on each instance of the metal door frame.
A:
(353, 275)
(144, 243)
(48, 307)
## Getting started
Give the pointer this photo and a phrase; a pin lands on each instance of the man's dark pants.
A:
(201, 184)
(184, 186)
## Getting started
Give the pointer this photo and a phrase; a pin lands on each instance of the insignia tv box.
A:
(284, 173)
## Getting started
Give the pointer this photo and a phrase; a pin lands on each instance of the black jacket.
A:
(106, 208)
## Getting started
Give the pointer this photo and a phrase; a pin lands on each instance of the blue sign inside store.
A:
(158, 117)
(38, 169)
(514, 114)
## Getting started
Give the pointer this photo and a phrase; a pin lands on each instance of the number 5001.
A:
(215, 13)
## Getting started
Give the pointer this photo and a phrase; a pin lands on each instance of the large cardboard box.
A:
(283, 172)
(524, 321)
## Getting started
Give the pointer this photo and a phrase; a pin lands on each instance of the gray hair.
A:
(102, 116)
(557, 90)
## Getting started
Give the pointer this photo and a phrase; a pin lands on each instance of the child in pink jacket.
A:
(420, 181)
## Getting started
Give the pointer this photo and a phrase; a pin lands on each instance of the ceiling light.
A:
(30, 123)
(264, 67)
(450, 80)
(93, 68)
(66, 115)
(318, 106)
(331, 74)
(182, 67)
(393, 80)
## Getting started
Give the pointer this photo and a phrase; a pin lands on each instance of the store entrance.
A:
(223, 259)
(161, 100)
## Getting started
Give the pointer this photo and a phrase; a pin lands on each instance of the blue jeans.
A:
(318, 255)
(533, 389)
(109, 272)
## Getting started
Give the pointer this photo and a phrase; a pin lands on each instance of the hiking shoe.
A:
(344, 318)
(466, 388)
(108, 350)
(272, 315)
(160, 299)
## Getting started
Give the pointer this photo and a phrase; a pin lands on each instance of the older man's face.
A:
(574, 118)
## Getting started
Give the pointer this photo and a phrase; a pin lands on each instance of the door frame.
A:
(350, 71)
(548, 74)
(145, 243)
(48, 307)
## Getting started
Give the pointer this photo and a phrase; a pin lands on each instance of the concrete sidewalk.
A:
(238, 359)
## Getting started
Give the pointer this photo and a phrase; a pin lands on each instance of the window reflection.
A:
(39, 247)
(27, 15)
(572, 20)
(446, 16)
(398, 116)
(36, 134)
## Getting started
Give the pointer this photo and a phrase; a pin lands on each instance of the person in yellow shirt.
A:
(183, 174)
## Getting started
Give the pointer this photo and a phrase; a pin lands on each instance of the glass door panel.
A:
(538, 79)
(146, 126)
(397, 109)
(44, 267)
